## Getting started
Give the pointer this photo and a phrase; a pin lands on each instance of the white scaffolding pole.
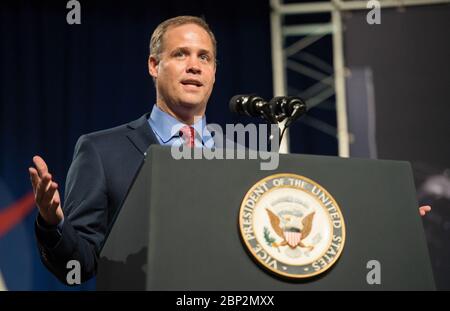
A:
(339, 82)
(362, 5)
(329, 6)
(278, 65)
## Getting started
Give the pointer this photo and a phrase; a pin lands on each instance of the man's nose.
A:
(193, 66)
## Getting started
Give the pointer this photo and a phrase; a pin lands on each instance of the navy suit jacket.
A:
(104, 166)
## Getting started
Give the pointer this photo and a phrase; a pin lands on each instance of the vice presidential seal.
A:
(292, 226)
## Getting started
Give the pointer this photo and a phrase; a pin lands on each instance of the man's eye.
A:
(179, 54)
(204, 57)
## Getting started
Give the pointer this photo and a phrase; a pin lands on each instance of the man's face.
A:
(185, 73)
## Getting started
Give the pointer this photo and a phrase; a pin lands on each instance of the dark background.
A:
(408, 57)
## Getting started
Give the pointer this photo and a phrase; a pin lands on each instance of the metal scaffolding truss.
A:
(329, 79)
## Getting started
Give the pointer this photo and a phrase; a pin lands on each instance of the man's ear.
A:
(153, 66)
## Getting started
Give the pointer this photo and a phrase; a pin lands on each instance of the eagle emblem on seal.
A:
(292, 229)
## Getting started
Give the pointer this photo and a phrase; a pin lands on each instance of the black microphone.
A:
(253, 106)
(299, 108)
(290, 107)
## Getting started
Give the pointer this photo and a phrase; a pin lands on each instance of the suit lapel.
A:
(142, 136)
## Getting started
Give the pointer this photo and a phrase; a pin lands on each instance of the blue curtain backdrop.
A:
(59, 81)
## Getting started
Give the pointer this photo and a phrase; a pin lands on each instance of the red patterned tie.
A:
(188, 135)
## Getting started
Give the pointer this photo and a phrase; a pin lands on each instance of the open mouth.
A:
(192, 82)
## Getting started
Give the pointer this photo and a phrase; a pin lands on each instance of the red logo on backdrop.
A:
(13, 214)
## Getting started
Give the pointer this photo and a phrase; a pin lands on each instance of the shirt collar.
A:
(167, 127)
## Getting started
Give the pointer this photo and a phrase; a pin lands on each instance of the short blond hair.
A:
(156, 41)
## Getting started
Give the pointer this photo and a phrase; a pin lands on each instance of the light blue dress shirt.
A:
(167, 130)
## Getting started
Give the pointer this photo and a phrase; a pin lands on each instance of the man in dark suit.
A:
(182, 63)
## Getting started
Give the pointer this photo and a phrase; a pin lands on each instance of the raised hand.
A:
(46, 192)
